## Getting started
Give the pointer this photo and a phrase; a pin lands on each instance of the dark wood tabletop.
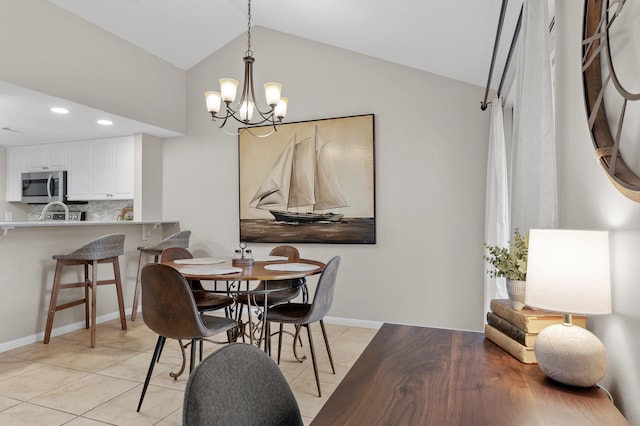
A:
(427, 376)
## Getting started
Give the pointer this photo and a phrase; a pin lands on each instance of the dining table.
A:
(236, 273)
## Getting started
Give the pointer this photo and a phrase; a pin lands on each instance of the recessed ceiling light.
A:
(105, 122)
(59, 110)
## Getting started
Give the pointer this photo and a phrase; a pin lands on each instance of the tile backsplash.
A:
(97, 211)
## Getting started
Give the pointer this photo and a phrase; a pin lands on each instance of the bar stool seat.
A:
(105, 249)
(179, 239)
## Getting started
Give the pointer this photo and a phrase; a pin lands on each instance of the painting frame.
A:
(310, 182)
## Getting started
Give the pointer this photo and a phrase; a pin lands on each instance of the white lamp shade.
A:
(281, 109)
(246, 110)
(568, 271)
(213, 101)
(272, 93)
(228, 88)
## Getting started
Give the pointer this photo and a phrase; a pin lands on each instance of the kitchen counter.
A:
(50, 223)
(26, 278)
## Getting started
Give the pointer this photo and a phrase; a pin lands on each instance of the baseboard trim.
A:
(351, 322)
(27, 340)
(38, 337)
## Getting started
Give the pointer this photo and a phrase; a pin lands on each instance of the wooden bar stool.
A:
(179, 239)
(102, 250)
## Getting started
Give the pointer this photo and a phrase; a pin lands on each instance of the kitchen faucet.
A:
(55, 203)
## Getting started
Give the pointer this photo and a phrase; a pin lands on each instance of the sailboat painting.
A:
(310, 181)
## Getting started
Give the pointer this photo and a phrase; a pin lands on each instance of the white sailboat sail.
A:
(301, 192)
(328, 190)
(303, 176)
(274, 191)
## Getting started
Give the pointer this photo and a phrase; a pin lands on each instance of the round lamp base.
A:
(571, 355)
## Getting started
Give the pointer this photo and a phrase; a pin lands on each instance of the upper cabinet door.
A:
(79, 171)
(102, 169)
(122, 168)
(17, 163)
(48, 157)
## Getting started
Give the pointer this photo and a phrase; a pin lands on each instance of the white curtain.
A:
(534, 194)
(522, 192)
(497, 223)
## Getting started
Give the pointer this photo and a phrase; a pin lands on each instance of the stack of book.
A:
(516, 331)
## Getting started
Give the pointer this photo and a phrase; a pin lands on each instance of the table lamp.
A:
(568, 272)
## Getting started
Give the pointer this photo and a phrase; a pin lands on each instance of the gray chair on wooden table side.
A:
(105, 249)
(179, 239)
(169, 309)
(239, 385)
(304, 314)
(205, 300)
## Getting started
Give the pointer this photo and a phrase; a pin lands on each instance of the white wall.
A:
(148, 180)
(430, 155)
(589, 201)
(47, 49)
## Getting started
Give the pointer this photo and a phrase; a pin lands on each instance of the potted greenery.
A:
(511, 262)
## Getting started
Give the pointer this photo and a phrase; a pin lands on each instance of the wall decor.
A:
(610, 81)
(309, 182)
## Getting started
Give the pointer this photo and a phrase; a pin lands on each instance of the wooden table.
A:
(255, 272)
(427, 376)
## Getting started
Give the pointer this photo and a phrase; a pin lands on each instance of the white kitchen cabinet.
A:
(17, 163)
(101, 169)
(48, 157)
(79, 171)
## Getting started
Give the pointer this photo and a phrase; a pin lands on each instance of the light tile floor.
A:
(67, 382)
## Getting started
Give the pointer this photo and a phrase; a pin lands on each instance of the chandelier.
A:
(243, 111)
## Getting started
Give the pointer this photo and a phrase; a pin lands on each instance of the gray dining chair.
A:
(304, 314)
(239, 385)
(205, 300)
(169, 309)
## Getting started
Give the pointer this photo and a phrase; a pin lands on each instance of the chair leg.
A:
(326, 343)
(136, 292)
(118, 282)
(161, 348)
(53, 302)
(267, 337)
(241, 325)
(313, 358)
(154, 359)
(193, 354)
(86, 296)
(280, 342)
(94, 290)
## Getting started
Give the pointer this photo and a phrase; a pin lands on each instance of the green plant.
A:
(509, 262)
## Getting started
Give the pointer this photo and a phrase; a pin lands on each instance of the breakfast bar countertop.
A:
(50, 223)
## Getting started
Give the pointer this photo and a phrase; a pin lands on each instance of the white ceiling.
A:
(452, 38)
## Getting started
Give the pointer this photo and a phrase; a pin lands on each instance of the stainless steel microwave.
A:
(44, 187)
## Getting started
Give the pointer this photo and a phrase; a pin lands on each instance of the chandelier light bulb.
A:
(213, 101)
(228, 88)
(280, 110)
(272, 93)
(246, 110)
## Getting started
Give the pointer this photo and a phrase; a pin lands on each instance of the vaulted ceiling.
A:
(452, 38)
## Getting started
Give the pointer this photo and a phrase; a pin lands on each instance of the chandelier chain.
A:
(249, 53)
